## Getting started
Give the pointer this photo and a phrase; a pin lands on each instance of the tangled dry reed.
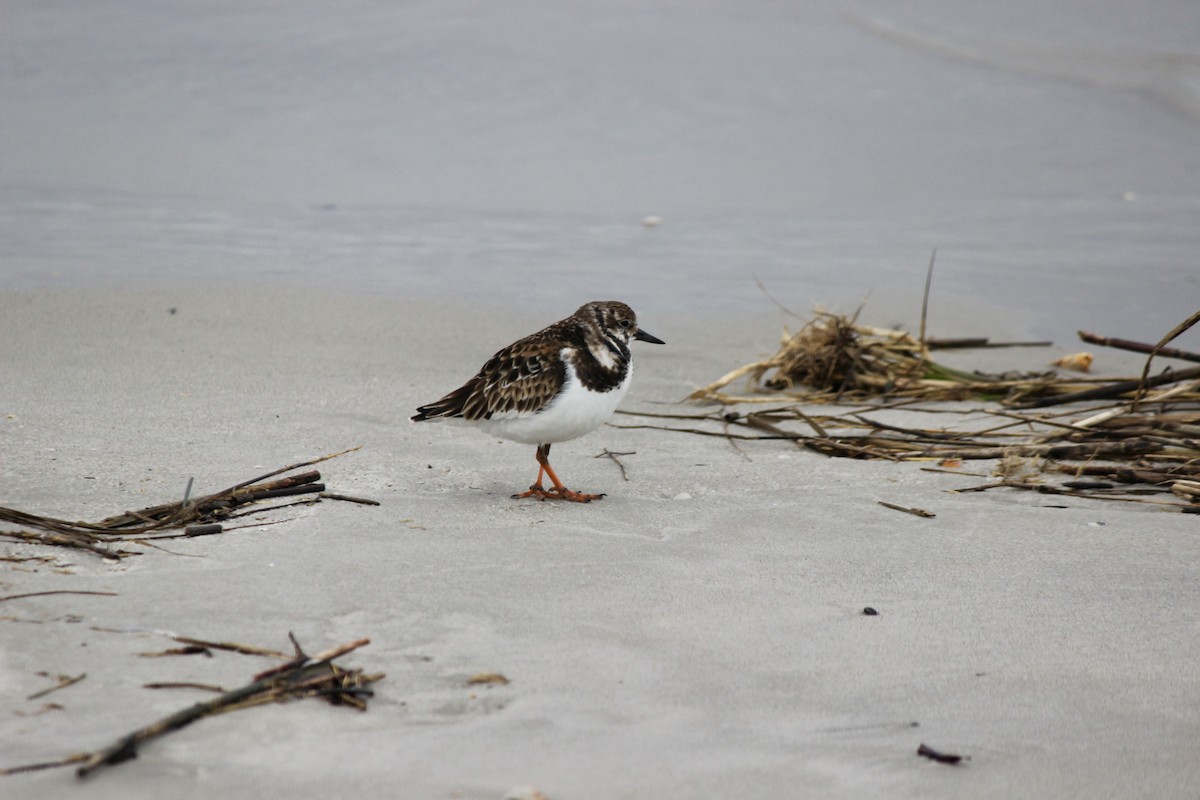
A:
(1135, 439)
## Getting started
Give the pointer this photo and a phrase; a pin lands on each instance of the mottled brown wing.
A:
(523, 377)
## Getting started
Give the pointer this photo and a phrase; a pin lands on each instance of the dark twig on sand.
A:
(63, 682)
(1111, 390)
(198, 517)
(301, 677)
(940, 757)
(77, 540)
(55, 591)
(916, 512)
(614, 456)
(978, 342)
(206, 687)
(346, 498)
(233, 647)
(1163, 342)
(1137, 347)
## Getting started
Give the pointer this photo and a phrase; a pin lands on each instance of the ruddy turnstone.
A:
(552, 386)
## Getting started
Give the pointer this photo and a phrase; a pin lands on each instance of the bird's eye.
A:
(624, 323)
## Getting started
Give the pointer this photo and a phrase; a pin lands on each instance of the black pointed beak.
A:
(642, 336)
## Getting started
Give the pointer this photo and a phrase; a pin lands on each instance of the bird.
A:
(551, 386)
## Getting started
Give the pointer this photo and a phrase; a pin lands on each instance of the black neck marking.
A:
(593, 374)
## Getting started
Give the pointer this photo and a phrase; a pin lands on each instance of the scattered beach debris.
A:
(207, 687)
(63, 682)
(940, 757)
(1141, 444)
(494, 678)
(1138, 347)
(186, 650)
(299, 677)
(616, 459)
(55, 591)
(835, 359)
(916, 512)
(202, 516)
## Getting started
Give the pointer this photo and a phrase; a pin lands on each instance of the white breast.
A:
(574, 412)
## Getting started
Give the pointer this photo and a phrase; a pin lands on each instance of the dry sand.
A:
(696, 634)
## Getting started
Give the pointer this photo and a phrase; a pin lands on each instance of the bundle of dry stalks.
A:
(202, 516)
(834, 358)
(299, 677)
(1145, 444)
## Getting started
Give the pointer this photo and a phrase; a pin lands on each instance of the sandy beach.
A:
(698, 632)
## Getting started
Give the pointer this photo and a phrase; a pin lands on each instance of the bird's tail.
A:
(449, 406)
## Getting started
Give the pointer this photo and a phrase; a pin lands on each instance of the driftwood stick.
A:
(1163, 342)
(916, 512)
(978, 342)
(291, 467)
(62, 762)
(207, 687)
(282, 491)
(55, 591)
(1137, 347)
(162, 515)
(233, 647)
(346, 498)
(63, 682)
(1112, 389)
(125, 748)
(1043, 488)
(78, 541)
(1082, 450)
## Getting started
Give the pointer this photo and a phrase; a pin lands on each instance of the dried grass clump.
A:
(834, 358)
(834, 354)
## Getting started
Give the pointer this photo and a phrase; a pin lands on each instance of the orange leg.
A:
(558, 492)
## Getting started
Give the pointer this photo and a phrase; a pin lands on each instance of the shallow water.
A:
(510, 156)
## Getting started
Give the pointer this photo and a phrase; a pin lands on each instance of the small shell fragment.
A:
(487, 677)
(1079, 362)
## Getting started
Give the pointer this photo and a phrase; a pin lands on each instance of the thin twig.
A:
(1137, 347)
(916, 512)
(771, 297)
(279, 683)
(925, 299)
(349, 499)
(56, 591)
(63, 682)
(1163, 342)
(614, 456)
(1115, 389)
(76, 540)
(979, 342)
